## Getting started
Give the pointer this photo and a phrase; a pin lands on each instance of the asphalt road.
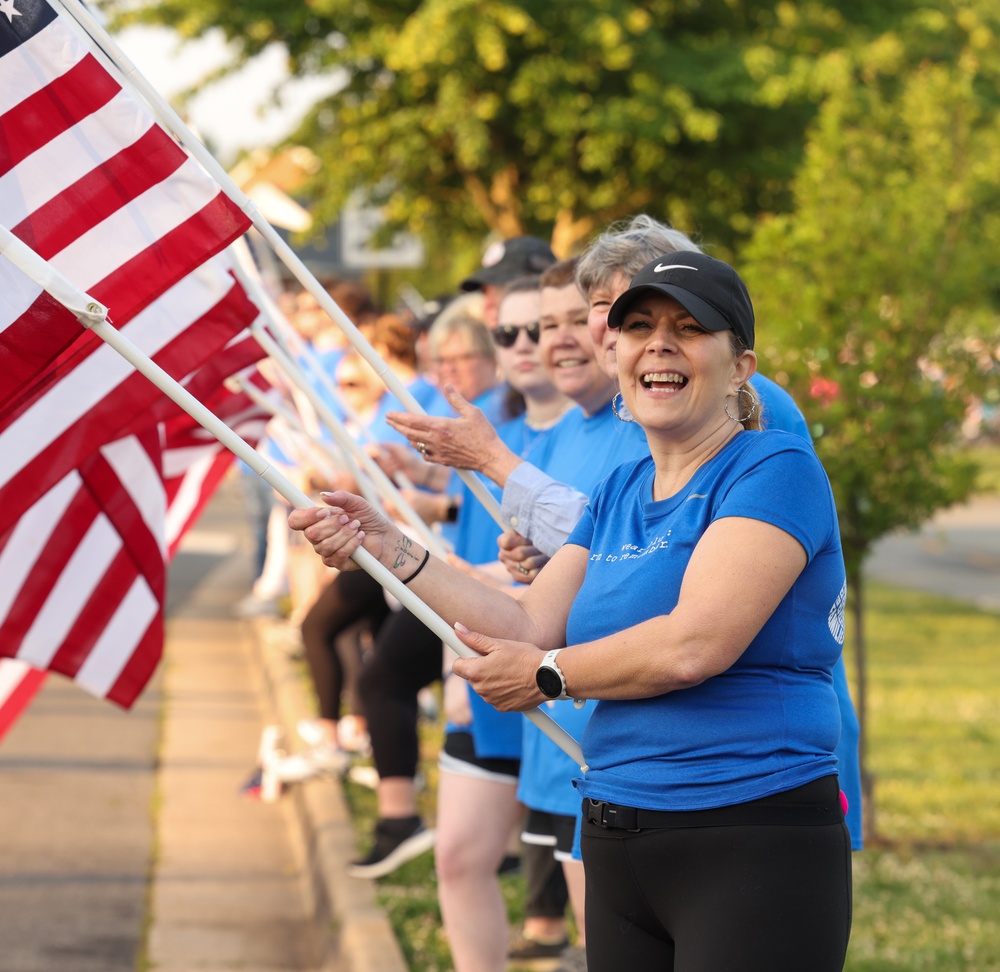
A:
(957, 554)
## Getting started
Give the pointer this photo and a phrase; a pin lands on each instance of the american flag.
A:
(95, 187)
(92, 184)
(19, 683)
(152, 514)
(84, 573)
(83, 402)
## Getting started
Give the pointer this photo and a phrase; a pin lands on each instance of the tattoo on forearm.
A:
(404, 552)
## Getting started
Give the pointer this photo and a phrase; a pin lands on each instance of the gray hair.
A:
(473, 328)
(625, 248)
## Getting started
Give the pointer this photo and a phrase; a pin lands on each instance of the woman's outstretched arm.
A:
(539, 617)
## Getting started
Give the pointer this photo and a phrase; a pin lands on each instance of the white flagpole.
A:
(294, 374)
(375, 492)
(109, 50)
(346, 443)
(298, 350)
(323, 455)
(93, 315)
(284, 333)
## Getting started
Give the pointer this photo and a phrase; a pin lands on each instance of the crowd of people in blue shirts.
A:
(664, 578)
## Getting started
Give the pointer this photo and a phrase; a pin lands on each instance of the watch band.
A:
(549, 662)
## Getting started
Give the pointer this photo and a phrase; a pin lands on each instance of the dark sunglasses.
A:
(506, 334)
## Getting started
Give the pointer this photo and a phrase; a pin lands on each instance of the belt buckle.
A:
(620, 821)
(595, 812)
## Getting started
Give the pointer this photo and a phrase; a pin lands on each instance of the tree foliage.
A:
(510, 116)
(877, 294)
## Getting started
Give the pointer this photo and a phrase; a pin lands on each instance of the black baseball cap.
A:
(710, 290)
(516, 257)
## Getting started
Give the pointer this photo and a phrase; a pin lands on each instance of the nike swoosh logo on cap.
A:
(660, 267)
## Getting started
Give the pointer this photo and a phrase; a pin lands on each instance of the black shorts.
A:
(553, 830)
(459, 756)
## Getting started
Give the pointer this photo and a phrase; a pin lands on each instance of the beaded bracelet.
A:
(427, 556)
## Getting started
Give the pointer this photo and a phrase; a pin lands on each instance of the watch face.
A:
(549, 683)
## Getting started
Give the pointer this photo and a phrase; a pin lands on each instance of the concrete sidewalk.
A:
(360, 938)
(238, 883)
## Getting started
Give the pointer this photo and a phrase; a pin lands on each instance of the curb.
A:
(354, 930)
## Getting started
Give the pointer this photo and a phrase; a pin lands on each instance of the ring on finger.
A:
(422, 449)
(523, 569)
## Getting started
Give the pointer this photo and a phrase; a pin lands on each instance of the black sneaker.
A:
(396, 842)
(527, 950)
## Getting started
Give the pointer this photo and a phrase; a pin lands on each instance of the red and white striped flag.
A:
(84, 573)
(84, 402)
(95, 187)
(92, 184)
(19, 684)
(194, 461)
(124, 522)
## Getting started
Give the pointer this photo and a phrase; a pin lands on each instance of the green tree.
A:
(463, 117)
(877, 295)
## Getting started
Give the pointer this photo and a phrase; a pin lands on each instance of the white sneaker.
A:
(321, 760)
(364, 776)
(253, 606)
(353, 737)
(311, 731)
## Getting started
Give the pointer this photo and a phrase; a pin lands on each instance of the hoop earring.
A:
(753, 406)
(620, 415)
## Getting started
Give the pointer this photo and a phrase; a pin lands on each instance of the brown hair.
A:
(400, 341)
(560, 274)
(522, 285)
(355, 300)
(754, 422)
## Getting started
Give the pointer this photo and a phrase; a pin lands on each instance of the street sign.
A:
(358, 226)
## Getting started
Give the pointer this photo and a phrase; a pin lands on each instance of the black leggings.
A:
(754, 898)
(406, 657)
(349, 598)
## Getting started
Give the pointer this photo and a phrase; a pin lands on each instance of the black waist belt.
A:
(615, 817)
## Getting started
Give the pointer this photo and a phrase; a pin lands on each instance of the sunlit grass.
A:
(934, 718)
(987, 457)
(933, 909)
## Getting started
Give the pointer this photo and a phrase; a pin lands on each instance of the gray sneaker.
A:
(252, 606)
(321, 760)
(573, 959)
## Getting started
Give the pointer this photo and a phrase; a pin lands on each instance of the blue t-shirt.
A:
(326, 363)
(771, 721)
(778, 408)
(496, 735)
(580, 452)
(779, 411)
(493, 404)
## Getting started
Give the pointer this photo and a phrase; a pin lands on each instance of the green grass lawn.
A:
(987, 458)
(927, 894)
